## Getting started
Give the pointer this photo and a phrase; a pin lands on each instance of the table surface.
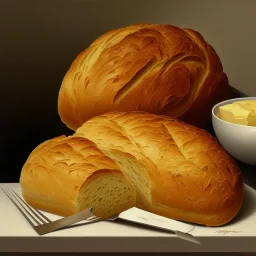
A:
(119, 236)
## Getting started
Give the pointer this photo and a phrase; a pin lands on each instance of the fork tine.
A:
(18, 207)
(36, 220)
(42, 229)
(35, 211)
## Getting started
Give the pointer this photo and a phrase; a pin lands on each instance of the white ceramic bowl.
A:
(238, 140)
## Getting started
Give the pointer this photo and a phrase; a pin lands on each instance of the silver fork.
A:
(44, 224)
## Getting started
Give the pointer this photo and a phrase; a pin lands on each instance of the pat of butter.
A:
(239, 112)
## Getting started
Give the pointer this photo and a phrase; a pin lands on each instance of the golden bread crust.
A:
(190, 176)
(161, 69)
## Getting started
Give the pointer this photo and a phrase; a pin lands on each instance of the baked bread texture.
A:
(179, 171)
(65, 175)
(160, 69)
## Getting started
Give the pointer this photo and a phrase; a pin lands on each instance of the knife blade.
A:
(146, 218)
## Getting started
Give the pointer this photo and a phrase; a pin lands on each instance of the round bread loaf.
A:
(179, 171)
(65, 175)
(160, 69)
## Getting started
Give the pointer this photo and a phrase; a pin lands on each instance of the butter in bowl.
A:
(234, 124)
(239, 112)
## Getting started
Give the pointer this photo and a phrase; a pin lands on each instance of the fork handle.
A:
(64, 222)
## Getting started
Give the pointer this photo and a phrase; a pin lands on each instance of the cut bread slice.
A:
(65, 175)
